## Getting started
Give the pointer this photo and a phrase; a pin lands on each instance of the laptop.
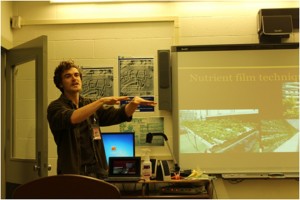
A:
(124, 169)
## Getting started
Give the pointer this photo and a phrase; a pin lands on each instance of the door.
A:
(26, 113)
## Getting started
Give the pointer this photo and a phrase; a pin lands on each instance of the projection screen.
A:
(236, 107)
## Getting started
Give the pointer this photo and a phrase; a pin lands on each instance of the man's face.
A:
(71, 81)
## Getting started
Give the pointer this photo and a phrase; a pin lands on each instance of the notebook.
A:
(124, 169)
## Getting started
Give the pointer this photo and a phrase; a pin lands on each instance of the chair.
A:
(67, 186)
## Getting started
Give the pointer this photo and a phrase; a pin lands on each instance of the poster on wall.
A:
(97, 82)
(136, 79)
(142, 126)
(136, 76)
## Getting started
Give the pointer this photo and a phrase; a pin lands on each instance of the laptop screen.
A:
(118, 144)
(125, 166)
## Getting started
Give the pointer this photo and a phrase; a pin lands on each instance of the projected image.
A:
(280, 135)
(237, 110)
(217, 131)
(220, 131)
(290, 91)
(283, 135)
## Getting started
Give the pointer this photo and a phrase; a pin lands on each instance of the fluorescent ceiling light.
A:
(104, 1)
(116, 1)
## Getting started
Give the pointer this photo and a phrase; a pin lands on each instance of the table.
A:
(174, 189)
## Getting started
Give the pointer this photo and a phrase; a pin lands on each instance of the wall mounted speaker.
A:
(293, 12)
(164, 80)
(276, 25)
(274, 28)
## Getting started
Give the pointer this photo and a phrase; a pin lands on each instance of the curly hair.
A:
(64, 65)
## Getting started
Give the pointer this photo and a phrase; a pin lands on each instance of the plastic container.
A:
(146, 165)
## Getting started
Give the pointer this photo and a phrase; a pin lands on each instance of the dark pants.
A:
(92, 171)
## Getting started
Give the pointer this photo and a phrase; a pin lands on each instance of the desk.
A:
(153, 189)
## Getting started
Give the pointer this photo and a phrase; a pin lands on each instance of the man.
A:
(74, 122)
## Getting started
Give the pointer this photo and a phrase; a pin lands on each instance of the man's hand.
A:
(135, 102)
(140, 101)
(113, 100)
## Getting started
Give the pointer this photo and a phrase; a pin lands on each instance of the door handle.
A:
(49, 167)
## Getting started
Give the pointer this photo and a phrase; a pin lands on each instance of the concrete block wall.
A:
(94, 35)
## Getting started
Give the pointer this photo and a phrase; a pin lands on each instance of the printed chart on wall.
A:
(136, 79)
(142, 126)
(97, 82)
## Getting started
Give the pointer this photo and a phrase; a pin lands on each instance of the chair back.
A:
(67, 186)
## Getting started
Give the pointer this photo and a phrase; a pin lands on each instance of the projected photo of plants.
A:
(221, 131)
